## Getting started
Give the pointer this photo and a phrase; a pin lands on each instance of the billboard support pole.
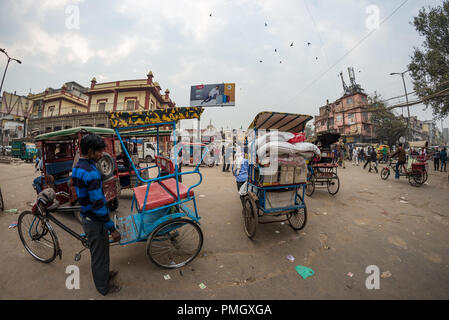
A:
(199, 131)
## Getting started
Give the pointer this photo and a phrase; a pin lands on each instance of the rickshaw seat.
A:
(170, 184)
(157, 196)
(165, 164)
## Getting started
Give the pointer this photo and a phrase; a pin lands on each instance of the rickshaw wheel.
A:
(250, 217)
(310, 187)
(298, 218)
(333, 184)
(418, 178)
(384, 174)
(37, 237)
(425, 176)
(2, 205)
(106, 166)
(174, 243)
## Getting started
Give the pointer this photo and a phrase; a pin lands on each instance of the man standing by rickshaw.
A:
(94, 212)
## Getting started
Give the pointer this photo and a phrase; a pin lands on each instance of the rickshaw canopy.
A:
(287, 122)
(326, 139)
(72, 133)
(418, 144)
(125, 119)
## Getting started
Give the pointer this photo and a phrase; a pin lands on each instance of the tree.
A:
(430, 65)
(387, 126)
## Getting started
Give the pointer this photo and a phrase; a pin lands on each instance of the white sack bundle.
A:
(276, 148)
(273, 136)
(307, 147)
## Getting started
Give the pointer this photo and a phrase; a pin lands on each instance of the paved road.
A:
(364, 224)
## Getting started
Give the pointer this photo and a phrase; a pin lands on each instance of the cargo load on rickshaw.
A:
(277, 170)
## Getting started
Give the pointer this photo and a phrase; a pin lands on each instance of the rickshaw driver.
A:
(94, 212)
(401, 159)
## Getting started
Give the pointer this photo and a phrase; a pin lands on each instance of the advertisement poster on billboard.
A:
(213, 95)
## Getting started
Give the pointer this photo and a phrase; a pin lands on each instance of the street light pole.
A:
(7, 64)
(406, 98)
(3, 79)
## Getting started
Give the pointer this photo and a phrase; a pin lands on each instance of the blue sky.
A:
(184, 46)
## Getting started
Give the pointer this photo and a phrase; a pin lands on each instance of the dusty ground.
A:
(364, 224)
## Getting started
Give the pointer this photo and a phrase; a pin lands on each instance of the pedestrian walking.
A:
(94, 212)
(384, 154)
(368, 158)
(373, 160)
(227, 154)
(355, 156)
(362, 155)
(443, 158)
(436, 160)
(240, 171)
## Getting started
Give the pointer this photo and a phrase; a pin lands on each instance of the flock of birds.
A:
(275, 50)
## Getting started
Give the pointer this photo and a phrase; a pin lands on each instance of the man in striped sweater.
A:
(94, 211)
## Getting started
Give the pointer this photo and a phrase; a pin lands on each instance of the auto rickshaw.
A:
(60, 153)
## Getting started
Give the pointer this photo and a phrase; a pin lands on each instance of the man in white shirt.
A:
(212, 94)
(355, 156)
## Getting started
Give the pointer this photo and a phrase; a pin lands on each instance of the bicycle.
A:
(417, 175)
(36, 232)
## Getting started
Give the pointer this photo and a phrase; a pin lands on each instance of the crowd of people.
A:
(371, 156)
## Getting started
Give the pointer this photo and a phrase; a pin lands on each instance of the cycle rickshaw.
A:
(322, 171)
(281, 198)
(163, 220)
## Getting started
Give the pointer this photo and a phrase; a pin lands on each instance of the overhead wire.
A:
(347, 53)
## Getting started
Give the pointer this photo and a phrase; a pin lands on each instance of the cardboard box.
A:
(270, 179)
(287, 175)
(300, 175)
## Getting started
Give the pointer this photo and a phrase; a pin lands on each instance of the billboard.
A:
(16, 105)
(212, 95)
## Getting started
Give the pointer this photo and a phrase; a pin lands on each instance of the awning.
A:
(123, 119)
(287, 122)
(72, 132)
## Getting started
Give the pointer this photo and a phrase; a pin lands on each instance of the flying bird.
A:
(291, 45)
(275, 50)
(266, 24)
(316, 58)
(280, 61)
(308, 43)
(210, 15)
(260, 61)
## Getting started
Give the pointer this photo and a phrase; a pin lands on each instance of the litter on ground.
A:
(304, 272)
